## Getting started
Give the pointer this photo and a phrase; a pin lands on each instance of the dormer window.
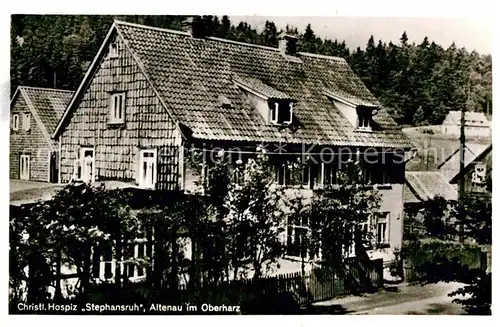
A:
(281, 112)
(275, 106)
(113, 50)
(358, 112)
(364, 122)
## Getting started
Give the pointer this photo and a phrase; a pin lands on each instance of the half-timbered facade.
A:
(154, 99)
(34, 113)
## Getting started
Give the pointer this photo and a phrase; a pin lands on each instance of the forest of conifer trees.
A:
(417, 82)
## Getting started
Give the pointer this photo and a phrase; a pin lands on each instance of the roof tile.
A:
(48, 103)
(191, 73)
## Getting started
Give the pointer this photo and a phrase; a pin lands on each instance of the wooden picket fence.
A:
(312, 286)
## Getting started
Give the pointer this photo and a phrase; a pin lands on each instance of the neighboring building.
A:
(477, 174)
(420, 187)
(476, 124)
(425, 185)
(154, 98)
(451, 165)
(34, 113)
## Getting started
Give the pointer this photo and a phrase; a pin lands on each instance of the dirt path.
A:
(404, 299)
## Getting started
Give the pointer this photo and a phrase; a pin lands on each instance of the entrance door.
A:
(53, 168)
(87, 157)
(148, 169)
(24, 167)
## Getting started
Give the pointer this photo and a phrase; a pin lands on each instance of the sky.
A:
(471, 33)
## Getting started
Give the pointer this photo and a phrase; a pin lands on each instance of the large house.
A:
(34, 114)
(476, 124)
(152, 97)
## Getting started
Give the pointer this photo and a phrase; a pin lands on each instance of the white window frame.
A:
(283, 168)
(290, 234)
(291, 114)
(15, 122)
(152, 160)
(114, 50)
(362, 119)
(117, 103)
(83, 172)
(26, 121)
(382, 218)
(24, 159)
(274, 113)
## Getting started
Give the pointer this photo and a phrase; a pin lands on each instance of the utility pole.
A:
(462, 163)
(427, 154)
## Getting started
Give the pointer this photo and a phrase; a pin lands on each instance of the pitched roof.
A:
(472, 118)
(470, 164)
(189, 74)
(408, 195)
(47, 105)
(426, 185)
(50, 104)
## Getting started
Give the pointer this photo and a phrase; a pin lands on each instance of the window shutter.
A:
(137, 162)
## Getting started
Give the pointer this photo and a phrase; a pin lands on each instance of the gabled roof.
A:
(426, 185)
(189, 74)
(47, 105)
(470, 164)
(471, 118)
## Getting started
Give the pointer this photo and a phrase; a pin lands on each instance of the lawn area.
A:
(22, 191)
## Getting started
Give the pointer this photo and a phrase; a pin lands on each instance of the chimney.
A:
(194, 25)
(187, 25)
(288, 45)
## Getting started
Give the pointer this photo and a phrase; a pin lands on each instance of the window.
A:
(282, 112)
(117, 108)
(364, 119)
(26, 121)
(238, 177)
(147, 171)
(479, 174)
(24, 167)
(297, 236)
(113, 50)
(289, 173)
(378, 168)
(274, 113)
(15, 122)
(327, 171)
(381, 231)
